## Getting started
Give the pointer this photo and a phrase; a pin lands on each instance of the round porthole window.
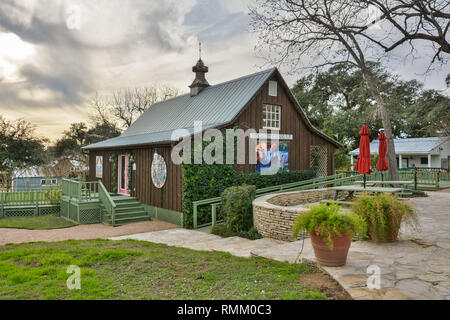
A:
(159, 171)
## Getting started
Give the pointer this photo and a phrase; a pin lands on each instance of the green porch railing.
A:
(80, 190)
(425, 176)
(335, 180)
(27, 203)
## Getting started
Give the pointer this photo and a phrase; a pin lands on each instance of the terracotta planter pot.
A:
(335, 257)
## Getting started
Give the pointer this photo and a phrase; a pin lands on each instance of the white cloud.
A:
(14, 53)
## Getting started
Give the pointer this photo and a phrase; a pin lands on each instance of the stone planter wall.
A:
(276, 222)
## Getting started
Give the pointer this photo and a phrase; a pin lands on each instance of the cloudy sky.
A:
(55, 54)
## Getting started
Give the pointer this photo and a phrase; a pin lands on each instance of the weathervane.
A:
(200, 51)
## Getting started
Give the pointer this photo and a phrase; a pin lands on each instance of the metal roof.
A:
(214, 106)
(409, 145)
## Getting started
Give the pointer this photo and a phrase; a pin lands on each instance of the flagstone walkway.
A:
(415, 267)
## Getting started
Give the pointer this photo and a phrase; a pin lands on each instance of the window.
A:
(43, 182)
(53, 181)
(273, 88)
(271, 117)
(423, 160)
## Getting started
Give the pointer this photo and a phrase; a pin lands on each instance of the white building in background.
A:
(431, 152)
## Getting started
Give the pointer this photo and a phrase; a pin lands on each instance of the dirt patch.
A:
(325, 284)
(81, 232)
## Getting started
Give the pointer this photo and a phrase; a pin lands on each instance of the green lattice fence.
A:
(29, 203)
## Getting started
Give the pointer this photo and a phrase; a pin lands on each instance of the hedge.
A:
(201, 181)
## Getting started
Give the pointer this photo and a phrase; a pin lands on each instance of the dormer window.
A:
(271, 117)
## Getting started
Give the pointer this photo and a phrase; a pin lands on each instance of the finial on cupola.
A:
(200, 69)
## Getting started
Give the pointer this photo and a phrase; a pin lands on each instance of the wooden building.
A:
(257, 101)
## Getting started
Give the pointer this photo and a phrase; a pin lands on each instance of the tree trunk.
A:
(391, 158)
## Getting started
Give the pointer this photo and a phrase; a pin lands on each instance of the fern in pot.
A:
(331, 231)
(383, 214)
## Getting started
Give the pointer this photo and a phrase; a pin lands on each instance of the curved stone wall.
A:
(276, 222)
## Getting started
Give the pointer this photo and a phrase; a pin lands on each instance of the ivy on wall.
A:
(131, 161)
(203, 181)
(114, 173)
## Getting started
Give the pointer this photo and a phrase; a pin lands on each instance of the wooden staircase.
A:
(128, 210)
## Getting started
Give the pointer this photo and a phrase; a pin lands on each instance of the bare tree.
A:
(124, 106)
(410, 20)
(325, 33)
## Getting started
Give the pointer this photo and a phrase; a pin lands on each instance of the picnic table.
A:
(386, 182)
(352, 189)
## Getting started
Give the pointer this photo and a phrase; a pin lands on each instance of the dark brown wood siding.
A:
(168, 197)
(291, 123)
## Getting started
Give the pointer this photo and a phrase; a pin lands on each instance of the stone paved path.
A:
(415, 267)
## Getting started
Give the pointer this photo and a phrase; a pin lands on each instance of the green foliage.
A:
(383, 213)
(251, 234)
(79, 135)
(329, 221)
(19, 147)
(209, 181)
(53, 195)
(223, 231)
(237, 207)
(338, 101)
(114, 173)
(46, 222)
(204, 181)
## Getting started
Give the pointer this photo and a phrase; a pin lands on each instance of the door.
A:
(123, 174)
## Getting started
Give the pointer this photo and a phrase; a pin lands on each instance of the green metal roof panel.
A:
(214, 106)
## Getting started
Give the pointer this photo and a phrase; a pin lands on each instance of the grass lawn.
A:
(142, 270)
(36, 223)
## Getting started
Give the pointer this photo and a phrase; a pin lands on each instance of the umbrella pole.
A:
(382, 176)
(364, 180)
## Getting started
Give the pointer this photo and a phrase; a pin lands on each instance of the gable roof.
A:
(409, 145)
(215, 106)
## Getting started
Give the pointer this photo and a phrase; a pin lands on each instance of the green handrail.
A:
(107, 201)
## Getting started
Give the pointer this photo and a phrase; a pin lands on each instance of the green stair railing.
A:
(107, 201)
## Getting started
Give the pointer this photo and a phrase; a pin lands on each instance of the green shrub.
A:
(383, 213)
(237, 207)
(223, 231)
(251, 234)
(329, 221)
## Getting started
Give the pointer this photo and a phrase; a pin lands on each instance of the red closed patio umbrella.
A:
(382, 164)
(363, 164)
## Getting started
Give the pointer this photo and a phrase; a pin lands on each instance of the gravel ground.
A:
(81, 232)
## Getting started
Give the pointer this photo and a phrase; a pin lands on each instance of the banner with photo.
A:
(99, 166)
(272, 157)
